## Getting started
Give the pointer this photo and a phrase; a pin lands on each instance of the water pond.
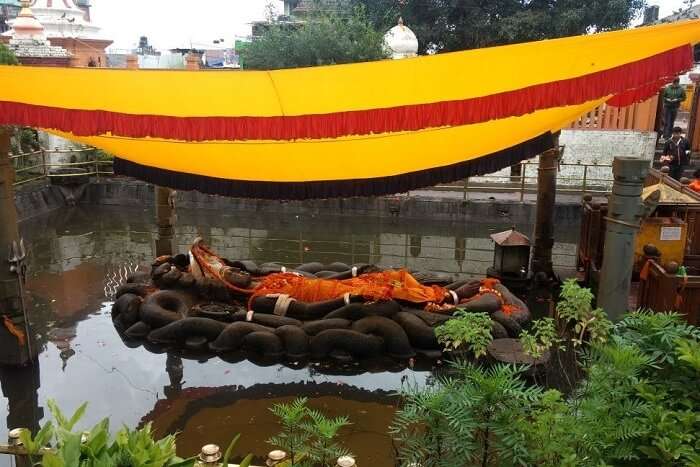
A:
(78, 256)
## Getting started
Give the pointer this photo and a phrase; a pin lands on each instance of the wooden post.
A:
(13, 350)
(192, 62)
(132, 62)
(546, 202)
(694, 122)
(164, 243)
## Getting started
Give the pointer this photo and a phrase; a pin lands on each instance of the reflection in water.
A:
(20, 386)
(174, 368)
(210, 415)
(78, 256)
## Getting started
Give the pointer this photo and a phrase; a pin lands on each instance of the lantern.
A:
(512, 253)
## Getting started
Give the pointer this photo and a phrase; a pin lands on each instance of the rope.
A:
(282, 303)
(455, 297)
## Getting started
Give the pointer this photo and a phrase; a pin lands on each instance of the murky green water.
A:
(78, 256)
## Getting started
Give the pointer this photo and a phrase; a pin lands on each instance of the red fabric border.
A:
(628, 80)
(637, 95)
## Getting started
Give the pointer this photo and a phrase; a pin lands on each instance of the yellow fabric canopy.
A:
(347, 130)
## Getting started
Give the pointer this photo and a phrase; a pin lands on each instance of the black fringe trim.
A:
(337, 188)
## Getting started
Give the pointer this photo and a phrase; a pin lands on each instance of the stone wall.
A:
(120, 191)
(37, 199)
(588, 147)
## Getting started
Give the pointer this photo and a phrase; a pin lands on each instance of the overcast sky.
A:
(173, 23)
(667, 6)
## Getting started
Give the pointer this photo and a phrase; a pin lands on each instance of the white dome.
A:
(401, 42)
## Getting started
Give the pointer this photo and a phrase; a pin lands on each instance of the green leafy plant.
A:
(293, 438)
(308, 437)
(229, 451)
(656, 334)
(469, 330)
(540, 338)
(7, 57)
(689, 352)
(575, 309)
(57, 444)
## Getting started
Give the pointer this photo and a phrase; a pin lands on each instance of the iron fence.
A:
(578, 178)
(37, 165)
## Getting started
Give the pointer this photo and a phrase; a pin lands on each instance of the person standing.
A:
(673, 96)
(676, 153)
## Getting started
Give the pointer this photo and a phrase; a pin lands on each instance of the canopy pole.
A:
(546, 202)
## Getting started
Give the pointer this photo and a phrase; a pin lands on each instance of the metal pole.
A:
(546, 202)
(43, 163)
(523, 172)
(585, 177)
(625, 211)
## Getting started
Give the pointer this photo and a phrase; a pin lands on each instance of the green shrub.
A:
(7, 57)
(637, 404)
(540, 338)
(463, 420)
(575, 309)
(469, 330)
(308, 437)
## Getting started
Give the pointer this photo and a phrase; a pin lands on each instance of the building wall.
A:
(44, 61)
(83, 50)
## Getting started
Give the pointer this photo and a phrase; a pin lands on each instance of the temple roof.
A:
(669, 195)
(510, 238)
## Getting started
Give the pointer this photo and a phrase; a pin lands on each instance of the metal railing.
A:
(37, 165)
(584, 182)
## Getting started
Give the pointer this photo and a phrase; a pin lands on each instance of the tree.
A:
(324, 39)
(7, 57)
(450, 25)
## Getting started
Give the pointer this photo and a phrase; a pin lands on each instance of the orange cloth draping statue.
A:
(385, 285)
